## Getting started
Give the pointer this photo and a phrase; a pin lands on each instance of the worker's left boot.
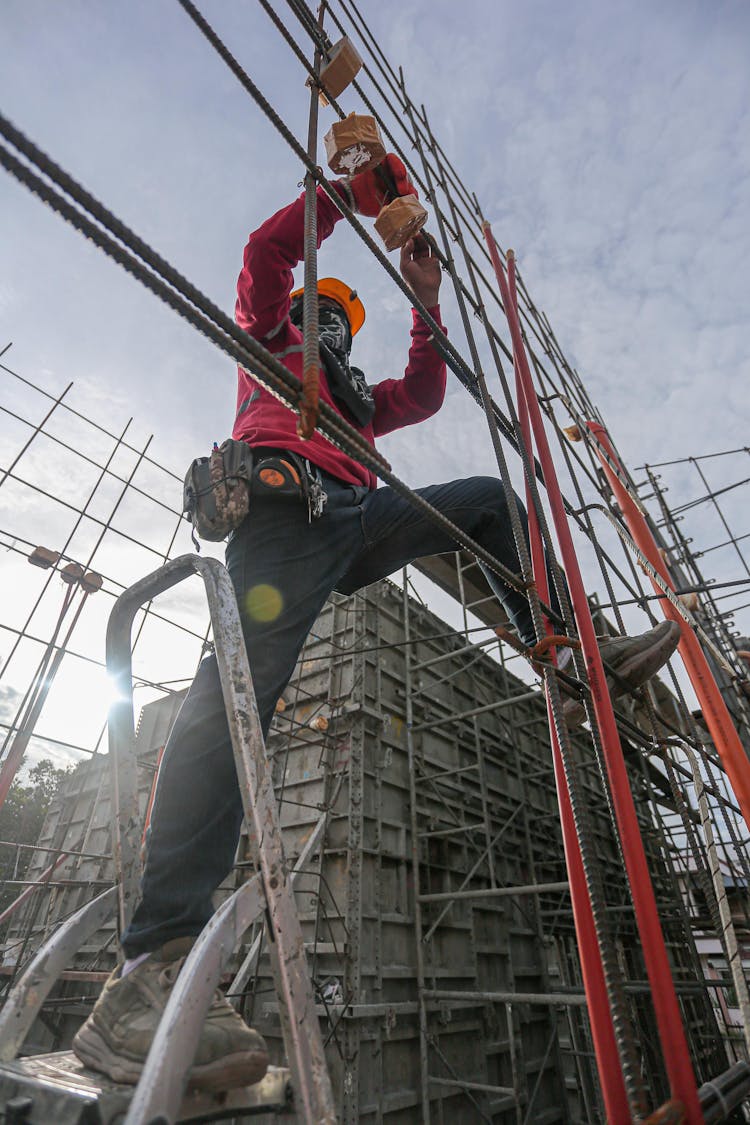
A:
(634, 660)
(117, 1036)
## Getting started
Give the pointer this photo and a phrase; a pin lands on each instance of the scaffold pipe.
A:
(715, 712)
(26, 894)
(669, 1023)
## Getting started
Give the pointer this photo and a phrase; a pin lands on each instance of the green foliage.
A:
(21, 820)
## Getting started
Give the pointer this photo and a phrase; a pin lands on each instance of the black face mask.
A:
(333, 328)
(347, 384)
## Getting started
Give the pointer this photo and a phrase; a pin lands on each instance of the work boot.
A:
(116, 1037)
(633, 659)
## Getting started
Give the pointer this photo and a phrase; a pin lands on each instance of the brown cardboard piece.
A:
(342, 67)
(353, 145)
(400, 220)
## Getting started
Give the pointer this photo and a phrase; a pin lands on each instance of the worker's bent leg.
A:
(283, 568)
(396, 533)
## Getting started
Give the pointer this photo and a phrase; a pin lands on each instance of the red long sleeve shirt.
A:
(262, 310)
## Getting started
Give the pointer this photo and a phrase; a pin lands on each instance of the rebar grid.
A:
(562, 385)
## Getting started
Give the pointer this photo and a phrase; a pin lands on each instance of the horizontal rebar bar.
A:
(39, 848)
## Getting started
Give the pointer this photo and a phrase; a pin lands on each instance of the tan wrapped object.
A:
(400, 220)
(572, 433)
(342, 67)
(44, 557)
(353, 145)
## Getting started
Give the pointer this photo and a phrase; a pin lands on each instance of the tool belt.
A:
(218, 488)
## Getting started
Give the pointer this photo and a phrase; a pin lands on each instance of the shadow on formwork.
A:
(418, 805)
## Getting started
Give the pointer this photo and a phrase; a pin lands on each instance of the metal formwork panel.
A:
(367, 886)
(366, 881)
(339, 751)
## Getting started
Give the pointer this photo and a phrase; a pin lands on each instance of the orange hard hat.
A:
(345, 296)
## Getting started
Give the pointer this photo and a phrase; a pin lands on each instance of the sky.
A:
(607, 143)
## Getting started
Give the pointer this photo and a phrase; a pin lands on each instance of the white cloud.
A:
(605, 143)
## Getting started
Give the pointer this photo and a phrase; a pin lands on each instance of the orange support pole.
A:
(611, 1079)
(671, 1031)
(612, 1083)
(715, 712)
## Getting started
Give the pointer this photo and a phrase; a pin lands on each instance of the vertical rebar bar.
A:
(308, 408)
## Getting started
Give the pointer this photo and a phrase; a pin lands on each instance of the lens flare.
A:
(263, 602)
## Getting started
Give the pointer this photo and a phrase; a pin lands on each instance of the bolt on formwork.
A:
(658, 731)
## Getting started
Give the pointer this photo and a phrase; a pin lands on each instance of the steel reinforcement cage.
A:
(438, 868)
(687, 783)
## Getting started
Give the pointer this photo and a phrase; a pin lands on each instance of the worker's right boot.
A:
(116, 1037)
(633, 660)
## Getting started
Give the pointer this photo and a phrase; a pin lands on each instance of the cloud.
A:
(605, 143)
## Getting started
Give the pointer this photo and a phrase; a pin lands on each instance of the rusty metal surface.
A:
(126, 828)
(164, 1078)
(247, 967)
(302, 1038)
(29, 993)
(309, 406)
(60, 1089)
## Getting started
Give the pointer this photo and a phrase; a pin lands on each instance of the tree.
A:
(21, 820)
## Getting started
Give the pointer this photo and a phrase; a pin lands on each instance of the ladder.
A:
(42, 1089)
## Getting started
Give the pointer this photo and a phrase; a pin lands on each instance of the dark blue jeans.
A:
(283, 569)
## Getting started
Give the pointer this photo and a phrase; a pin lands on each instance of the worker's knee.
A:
(488, 491)
(491, 494)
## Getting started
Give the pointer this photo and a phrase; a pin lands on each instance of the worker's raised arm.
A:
(420, 393)
(272, 252)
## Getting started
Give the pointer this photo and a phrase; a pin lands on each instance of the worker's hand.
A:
(380, 185)
(420, 270)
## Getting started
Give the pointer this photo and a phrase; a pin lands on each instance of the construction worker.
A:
(317, 523)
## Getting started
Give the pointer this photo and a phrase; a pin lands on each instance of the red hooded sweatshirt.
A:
(262, 310)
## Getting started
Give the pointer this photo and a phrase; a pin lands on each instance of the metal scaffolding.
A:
(497, 828)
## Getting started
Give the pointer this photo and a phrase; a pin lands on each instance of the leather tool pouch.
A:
(216, 494)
